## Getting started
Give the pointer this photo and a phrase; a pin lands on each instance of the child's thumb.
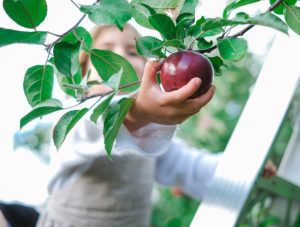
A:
(150, 72)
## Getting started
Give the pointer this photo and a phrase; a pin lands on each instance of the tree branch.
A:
(75, 4)
(243, 31)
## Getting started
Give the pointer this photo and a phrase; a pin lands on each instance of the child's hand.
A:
(154, 105)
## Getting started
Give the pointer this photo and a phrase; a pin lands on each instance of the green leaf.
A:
(236, 4)
(195, 30)
(183, 23)
(93, 82)
(159, 4)
(114, 80)
(264, 19)
(203, 44)
(217, 63)
(280, 7)
(212, 32)
(66, 58)
(174, 43)
(67, 80)
(50, 102)
(189, 6)
(164, 25)
(269, 20)
(62, 81)
(292, 18)
(242, 15)
(8, 36)
(86, 78)
(27, 13)
(232, 49)
(83, 34)
(113, 120)
(149, 47)
(149, 8)
(44, 108)
(107, 63)
(220, 22)
(188, 18)
(38, 84)
(116, 12)
(141, 13)
(65, 124)
(101, 108)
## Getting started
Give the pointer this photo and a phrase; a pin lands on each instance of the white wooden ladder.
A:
(252, 138)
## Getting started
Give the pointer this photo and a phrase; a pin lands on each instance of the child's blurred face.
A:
(122, 43)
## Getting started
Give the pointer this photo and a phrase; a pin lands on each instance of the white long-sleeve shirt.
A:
(176, 163)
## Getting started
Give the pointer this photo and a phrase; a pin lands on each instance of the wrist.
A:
(134, 119)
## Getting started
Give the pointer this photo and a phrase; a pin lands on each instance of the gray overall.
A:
(109, 194)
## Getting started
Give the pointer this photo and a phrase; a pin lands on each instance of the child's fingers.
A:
(195, 104)
(150, 73)
(271, 168)
(185, 92)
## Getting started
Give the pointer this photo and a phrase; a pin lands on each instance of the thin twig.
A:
(109, 92)
(51, 45)
(69, 30)
(192, 43)
(70, 107)
(226, 33)
(48, 56)
(75, 4)
(243, 31)
(100, 95)
(270, 9)
(51, 33)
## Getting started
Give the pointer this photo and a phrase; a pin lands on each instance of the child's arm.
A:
(192, 170)
(168, 108)
(187, 168)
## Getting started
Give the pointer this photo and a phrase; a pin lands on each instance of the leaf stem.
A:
(192, 43)
(243, 31)
(81, 40)
(100, 95)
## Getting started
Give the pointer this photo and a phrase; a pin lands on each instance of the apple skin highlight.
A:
(180, 67)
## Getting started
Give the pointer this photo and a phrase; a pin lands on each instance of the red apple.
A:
(180, 67)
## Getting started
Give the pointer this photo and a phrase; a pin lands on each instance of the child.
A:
(88, 190)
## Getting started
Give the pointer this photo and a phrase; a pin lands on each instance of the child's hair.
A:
(95, 33)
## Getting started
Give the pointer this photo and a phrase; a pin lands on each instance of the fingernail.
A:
(156, 60)
(197, 82)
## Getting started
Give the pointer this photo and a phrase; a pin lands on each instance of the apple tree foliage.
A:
(173, 19)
